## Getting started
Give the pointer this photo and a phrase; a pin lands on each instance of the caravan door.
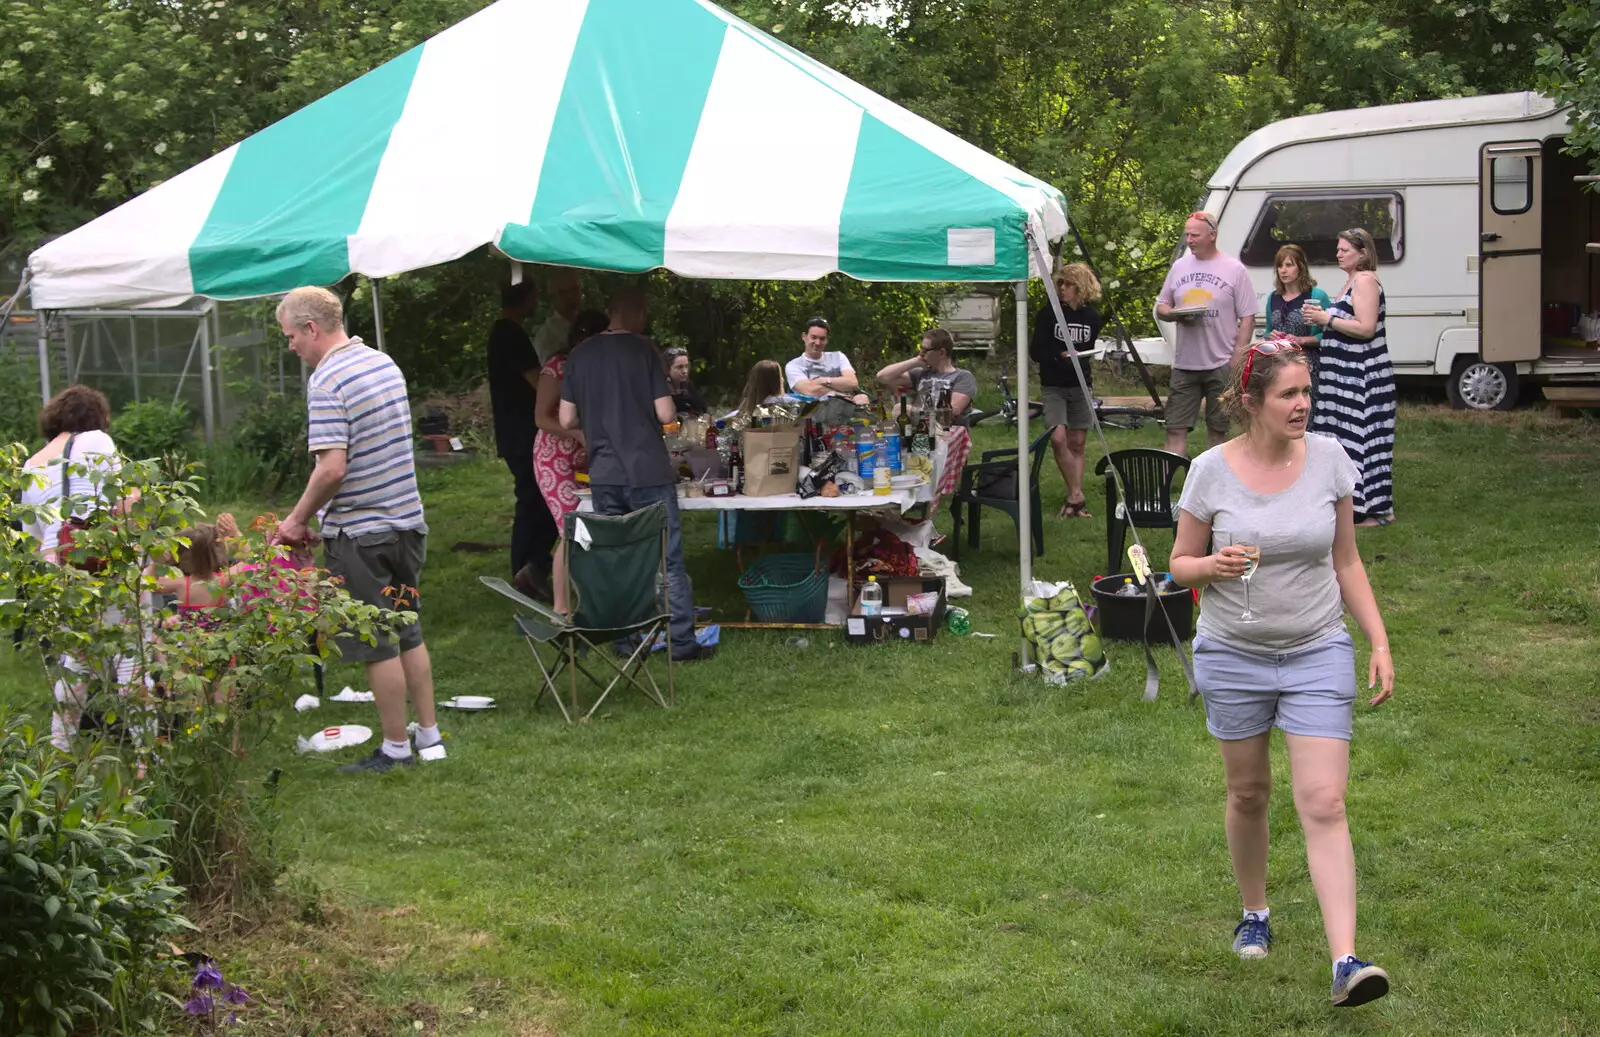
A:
(1509, 259)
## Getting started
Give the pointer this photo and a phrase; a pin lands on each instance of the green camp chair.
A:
(617, 585)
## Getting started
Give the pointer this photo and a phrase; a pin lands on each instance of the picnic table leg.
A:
(849, 560)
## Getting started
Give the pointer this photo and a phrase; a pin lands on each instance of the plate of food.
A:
(1189, 311)
(908, 481)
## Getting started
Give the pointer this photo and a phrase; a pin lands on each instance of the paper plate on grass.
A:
(341, 737)
(469, 702)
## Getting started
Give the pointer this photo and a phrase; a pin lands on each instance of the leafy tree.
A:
(1571, 67)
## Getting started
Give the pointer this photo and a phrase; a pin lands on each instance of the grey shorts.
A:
(1067, 406)
(1307, 692)
(1187, 390)
(382, 569)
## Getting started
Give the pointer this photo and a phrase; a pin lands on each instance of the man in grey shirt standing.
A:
(616, 390)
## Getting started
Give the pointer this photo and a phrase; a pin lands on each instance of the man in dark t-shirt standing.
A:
(513, 379)
(616, 390)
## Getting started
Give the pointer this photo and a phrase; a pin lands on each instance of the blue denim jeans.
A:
(611, 499)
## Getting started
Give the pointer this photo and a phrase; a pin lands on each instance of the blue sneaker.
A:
(1251, 938)
(1355, 982)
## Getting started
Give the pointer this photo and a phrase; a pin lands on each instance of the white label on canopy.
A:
(969, 246)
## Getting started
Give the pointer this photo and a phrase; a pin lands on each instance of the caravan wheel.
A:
(1478, 385)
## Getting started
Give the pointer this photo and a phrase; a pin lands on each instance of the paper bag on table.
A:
(771, 461)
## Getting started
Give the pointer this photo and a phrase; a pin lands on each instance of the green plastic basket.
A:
(790, 588)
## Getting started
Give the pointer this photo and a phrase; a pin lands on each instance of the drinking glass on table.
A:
(1249, 543)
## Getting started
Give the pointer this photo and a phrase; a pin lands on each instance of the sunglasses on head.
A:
(1270, 347)
(1205, 218)
(677, 351)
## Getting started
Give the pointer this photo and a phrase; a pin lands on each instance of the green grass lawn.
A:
(911, 839)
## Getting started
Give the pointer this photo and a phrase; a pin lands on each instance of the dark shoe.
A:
(378, 763)
(700, 654)
(1356, 982)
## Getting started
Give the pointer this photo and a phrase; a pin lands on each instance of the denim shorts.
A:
(1310, 691)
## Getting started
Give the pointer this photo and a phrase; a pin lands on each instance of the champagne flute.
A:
(1249, 542)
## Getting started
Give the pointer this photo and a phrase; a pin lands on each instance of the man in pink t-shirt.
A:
(1204, 279)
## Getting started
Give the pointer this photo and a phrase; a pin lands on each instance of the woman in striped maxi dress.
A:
(1356, 398)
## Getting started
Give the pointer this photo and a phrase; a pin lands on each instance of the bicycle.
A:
(1008, 404)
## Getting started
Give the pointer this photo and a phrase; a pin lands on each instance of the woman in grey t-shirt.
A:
(1274, 651)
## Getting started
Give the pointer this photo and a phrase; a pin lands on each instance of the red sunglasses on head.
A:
(1267, 348)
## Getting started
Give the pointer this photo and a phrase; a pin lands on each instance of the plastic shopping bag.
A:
(1064, 645)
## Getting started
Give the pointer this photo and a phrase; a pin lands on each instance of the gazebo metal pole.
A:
(377, 312)
(1024, 462)
(44, 356)
(207, 405)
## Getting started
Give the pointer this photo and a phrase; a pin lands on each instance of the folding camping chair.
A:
(617, 584)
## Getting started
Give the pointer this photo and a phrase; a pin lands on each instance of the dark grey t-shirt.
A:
(1294, 593)
(958, 380)
(614, 380)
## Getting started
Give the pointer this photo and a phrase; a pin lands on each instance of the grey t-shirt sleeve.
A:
(1345, 474)
(1196, 496)
(964, 383)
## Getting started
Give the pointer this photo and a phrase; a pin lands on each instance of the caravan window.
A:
(1511, 184)
(1313, 221)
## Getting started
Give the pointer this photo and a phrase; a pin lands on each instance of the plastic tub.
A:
(1122, 618)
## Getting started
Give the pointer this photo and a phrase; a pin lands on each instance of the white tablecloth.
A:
(899, 500)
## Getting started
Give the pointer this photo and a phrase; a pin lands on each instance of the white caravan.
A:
(1481, 226)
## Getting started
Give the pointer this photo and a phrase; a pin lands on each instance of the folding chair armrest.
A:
(996, 455)
(544, 612)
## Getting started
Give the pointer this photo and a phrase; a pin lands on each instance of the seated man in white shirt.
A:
(819, 372)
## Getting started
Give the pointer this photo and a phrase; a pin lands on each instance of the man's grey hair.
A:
(312, 306)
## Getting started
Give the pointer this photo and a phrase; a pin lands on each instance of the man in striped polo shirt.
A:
(364, 488)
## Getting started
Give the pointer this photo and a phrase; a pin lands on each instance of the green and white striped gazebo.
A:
(617, 135)
(621, 135)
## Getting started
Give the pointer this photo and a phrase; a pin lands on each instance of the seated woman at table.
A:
(685, 397)
(764, 386)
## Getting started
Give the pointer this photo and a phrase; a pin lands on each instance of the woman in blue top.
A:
(1292, 288)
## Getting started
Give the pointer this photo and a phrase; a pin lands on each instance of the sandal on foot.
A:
(1074, 509)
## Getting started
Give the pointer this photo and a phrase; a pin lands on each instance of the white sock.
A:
(1340, 961)
(396, 750)
(426, 736)
(1260, 916)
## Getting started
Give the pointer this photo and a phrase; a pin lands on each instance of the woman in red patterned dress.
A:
(558, 453)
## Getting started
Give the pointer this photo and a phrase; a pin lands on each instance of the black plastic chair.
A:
(1148, 476)
(992, 483)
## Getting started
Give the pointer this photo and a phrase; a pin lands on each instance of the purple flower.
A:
(232, 1020)
(207, 976)
(200, 1004)
(235, 995)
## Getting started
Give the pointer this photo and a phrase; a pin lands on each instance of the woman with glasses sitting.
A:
(685, 397)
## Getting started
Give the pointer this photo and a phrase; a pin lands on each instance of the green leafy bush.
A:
(265, 449)
(84, 890)
(216, 692)
(155, 429)
(19, 402)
